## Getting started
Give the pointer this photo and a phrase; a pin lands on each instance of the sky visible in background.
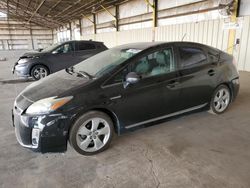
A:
(2, 15)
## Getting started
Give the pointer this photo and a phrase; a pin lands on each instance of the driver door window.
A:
(66, 48)
(156, 63)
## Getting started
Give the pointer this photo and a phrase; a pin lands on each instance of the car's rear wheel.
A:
(220, 100)
(39, 71)
(91, 133)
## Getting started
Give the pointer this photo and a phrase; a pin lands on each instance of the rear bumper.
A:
(235, 86)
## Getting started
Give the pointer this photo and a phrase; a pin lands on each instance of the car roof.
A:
(145, 45)
(139, 45)
(89, 41)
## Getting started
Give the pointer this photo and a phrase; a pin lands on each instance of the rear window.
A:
(190, 57)
(85, 46)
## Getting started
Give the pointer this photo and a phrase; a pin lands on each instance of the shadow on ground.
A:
(16, 81)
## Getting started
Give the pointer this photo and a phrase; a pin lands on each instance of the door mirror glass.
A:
(58, 51)
(66, 48)
(131, 78)
(55, 52)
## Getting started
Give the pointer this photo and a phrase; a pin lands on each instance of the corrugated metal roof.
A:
(52, 13)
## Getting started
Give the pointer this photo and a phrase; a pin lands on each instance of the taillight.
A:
(235, 64)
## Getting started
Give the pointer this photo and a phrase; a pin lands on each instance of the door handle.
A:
(172, 84)
(116, 97)
(211, 72)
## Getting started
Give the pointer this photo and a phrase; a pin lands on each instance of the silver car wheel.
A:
(221, 100)
(93, 134)
(40, 72)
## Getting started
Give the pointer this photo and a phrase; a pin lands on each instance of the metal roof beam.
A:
(54, 6)
(37, 9)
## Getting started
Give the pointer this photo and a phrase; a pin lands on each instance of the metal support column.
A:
(232, 32)
(94, 22)
(80, 25)
(117, 17)
(155, 12)
(70, 30)
(154, 6)
(31, 37)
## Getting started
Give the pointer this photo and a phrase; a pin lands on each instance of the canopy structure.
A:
(52, 13)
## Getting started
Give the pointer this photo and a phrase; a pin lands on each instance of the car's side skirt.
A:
(167, 116)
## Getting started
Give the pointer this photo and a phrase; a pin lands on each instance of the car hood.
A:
(32, 54)
(54, 85)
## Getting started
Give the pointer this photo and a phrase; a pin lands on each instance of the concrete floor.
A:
(197, 150)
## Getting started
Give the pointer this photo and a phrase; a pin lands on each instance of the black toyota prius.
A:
(122, 89)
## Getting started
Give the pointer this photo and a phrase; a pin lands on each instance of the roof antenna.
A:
(183, 36)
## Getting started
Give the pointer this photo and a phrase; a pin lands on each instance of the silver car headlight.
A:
(22, 61)
(47, 105)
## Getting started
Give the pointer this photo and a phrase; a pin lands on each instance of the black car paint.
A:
(149, 98)
(59, 61)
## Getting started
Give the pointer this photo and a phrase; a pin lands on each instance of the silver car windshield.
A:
(105, 62)
(50, 48)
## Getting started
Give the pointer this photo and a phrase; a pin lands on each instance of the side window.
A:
(119, 77)
(156, 63)
(191, 57)
(66, 48)
(85, 46)
(213, 57)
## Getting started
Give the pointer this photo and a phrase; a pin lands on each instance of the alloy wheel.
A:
(93, 134)
(40, 72)
(221, 100)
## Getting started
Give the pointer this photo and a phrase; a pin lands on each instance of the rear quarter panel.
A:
(228, 74)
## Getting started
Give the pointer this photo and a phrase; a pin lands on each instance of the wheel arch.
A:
(230, 87)
(113, 117)
(108, 112)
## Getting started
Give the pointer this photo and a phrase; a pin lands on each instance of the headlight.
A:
(47, 105)
(22, 61)
(26, 59)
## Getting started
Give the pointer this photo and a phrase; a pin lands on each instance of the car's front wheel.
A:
(220, 100)
(91, 133)
(39, 71)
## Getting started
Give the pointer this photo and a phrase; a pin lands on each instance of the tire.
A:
(39, 71)
(91, 133)
(220, 100)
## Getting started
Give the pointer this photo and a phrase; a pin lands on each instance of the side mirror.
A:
(40, 49)
(131, 78)
(57, 52)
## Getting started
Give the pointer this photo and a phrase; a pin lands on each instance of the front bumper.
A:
(21, 70)
(44, 133)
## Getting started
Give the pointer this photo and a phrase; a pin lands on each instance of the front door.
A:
(62, 57)
(154, 96)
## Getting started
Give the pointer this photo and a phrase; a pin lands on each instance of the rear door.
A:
(197, 75)
(84, 50)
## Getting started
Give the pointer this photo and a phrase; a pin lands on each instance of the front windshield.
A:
(105, 62)
(49, 48)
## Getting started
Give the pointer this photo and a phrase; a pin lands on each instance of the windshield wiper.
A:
(85, 74)
(71, 70)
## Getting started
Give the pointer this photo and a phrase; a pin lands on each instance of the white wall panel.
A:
(210, 32)
(244, 48)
